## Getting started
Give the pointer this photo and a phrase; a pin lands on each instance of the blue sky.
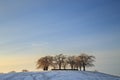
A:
(42, 27)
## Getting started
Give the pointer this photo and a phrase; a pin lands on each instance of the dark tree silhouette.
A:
(59, 59)
(71, 61)
(44, 62)
(79, 62)
(86, 60)
(65, 63)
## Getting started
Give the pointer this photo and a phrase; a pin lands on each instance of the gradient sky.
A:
(30, 29)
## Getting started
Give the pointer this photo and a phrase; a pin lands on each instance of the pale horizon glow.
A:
(29, 30)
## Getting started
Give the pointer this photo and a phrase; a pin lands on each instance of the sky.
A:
(30, 29)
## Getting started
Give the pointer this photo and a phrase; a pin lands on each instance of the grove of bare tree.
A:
(66, 62)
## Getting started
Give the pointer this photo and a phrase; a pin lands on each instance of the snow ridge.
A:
(58, 75)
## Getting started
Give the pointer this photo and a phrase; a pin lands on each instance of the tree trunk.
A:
(83, 67)
(71, 66)
(60, 66)
(47, 68)
(80, 68)
(44, 68)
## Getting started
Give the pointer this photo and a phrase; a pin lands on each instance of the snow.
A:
(58, 75)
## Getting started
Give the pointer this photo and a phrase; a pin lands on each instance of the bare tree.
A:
(71, 61)
(87, 61)
(65, 63)
(44, 62)
(78, 62)
(59, 59)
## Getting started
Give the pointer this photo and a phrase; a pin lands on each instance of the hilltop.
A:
(58, 75)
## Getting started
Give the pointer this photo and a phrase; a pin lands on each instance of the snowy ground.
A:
(58, 75)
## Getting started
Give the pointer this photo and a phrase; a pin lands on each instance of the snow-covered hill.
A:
(58, 75)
